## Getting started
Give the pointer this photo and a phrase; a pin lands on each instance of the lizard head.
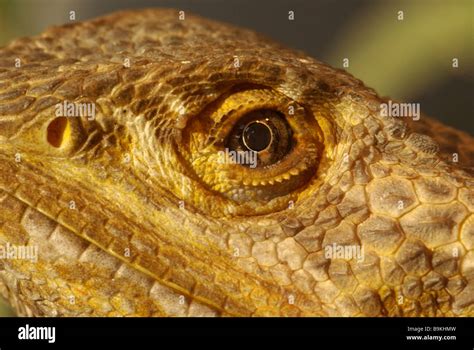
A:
(179, 166)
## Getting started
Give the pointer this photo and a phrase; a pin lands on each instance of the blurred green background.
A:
(409, 59)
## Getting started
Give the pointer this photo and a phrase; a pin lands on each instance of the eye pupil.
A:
(257, 136)
(264, 132)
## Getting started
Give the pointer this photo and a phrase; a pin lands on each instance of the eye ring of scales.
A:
(133, 217)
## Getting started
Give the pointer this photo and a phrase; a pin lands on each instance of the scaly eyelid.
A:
(237, 186)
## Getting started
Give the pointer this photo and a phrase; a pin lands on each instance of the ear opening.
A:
(58, 132)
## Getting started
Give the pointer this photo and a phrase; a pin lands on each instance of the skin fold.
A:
(133, 215)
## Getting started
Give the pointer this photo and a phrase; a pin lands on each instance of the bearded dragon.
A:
(142, 208)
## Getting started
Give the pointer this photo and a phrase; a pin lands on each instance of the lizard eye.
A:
(265, 132)
(254, 147)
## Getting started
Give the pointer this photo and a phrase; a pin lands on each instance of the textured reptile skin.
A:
(132, 217)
